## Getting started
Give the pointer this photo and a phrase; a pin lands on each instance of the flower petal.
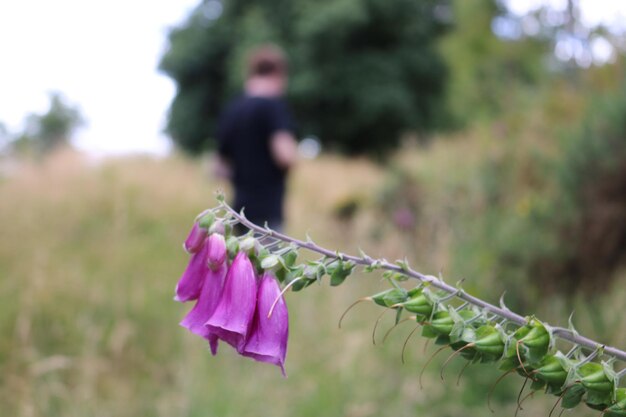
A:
(216, 251)
(190, 283)
(205, 306)
(195, 240)
(233, 315)
(267, 339)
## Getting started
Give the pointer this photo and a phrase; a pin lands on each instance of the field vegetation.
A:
(91, 250)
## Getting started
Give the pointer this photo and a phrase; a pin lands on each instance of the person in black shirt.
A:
(256, 142)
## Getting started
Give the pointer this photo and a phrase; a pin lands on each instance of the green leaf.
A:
(428, 332)
(598, 397)
(341, 272)
(573, 396)
(290, 258)
(207, 220)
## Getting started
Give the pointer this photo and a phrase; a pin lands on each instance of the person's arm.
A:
(284, 149)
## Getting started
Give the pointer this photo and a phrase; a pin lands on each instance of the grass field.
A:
(89, 256)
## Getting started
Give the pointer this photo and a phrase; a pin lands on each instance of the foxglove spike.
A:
(216, 251)
(267, 340)
(190, 284)
(205, 306)
(195, 240)
(233, 315)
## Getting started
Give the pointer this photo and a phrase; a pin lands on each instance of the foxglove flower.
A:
(190, 284)
(216, 251)
(267, 339)
(205, 306)
(195, 240)
(233, 315)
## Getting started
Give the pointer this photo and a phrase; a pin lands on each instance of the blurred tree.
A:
(363, 71)
(574, 41)
(45, 132)
(487, 68)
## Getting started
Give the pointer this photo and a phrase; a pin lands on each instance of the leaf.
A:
(597, 397)
(565, 362)
(340, 274)
(573, 396)
(468, 335)
(537, 384)
(428, 332)
(457, 331)
(290, 258)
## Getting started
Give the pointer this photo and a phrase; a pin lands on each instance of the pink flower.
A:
(267, 338)
(216, 251)
(190, 283)
(233, 315)
(195, 240)
(205, 306)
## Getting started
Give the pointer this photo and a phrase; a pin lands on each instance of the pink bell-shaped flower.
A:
(233, 315)
(205, 306)
(216, 251)
(267, 338)
(195, 240)
(190, 283)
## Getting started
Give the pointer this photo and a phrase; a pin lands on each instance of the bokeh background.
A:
(484, 140)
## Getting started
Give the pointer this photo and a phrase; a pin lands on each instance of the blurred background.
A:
(482, 139)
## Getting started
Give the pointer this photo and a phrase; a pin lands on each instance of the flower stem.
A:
(505, 313)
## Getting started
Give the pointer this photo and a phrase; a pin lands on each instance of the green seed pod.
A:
(551, 371)
(537, 342)
(442, 323)
(468, 353)
(489, 341)
(415, 291)
(617, 409)
(538, 337)
(418, 304)
(594, 378)
(390, 297)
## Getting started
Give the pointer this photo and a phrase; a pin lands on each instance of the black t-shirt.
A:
(244, 133)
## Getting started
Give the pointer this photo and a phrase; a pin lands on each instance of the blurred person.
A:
(256, 139)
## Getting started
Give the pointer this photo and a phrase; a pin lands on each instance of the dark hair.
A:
(267, 60)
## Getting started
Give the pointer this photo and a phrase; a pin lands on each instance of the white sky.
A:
(102, 55)
(593, 12)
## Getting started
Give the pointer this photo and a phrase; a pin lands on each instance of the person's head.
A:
(266, 71)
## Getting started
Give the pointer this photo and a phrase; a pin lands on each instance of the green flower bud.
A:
(206, 221)
(248, 245)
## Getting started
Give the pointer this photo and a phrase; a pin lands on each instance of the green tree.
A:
(486, 70)
(45, 132)
(363, 71)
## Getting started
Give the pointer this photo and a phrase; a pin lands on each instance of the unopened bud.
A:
(217, 227)
(232, 245)
(206, 220)
(216, 251)
(248, 244)
(269, 262)
(195, 240)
